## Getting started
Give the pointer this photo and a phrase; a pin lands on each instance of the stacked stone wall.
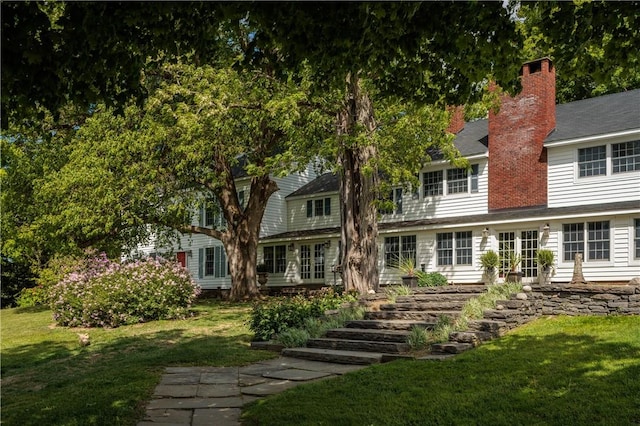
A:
(586, 299)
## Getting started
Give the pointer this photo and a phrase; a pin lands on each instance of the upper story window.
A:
(603, 160)
(211, 215)
(321, 207)
(395, 195)
(455, 181)
(625, 157)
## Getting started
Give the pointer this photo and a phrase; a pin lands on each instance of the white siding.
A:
(452, 205)
(565, 188)
(297, 213)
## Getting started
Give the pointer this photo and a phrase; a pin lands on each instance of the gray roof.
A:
(328, 182)
(597, 116)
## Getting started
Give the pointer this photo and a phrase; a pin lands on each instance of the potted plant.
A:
(490, 262)
(407, 267)
(513, 260)
(545, 260)
(263, 274)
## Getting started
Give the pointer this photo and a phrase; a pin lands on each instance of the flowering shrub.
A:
(280, 313)
(109, 294)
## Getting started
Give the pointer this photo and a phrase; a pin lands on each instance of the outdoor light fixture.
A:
(485, 233)
(327, 244)
(291, 247)
(545, 230)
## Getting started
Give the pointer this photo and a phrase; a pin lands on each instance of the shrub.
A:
(109, 294)
(279, 313)
(431, 279)
(418, 338)
(293, 337)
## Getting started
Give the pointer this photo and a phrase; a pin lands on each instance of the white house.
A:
(560, 177)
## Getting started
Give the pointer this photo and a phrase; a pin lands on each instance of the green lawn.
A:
(554, 371)
(49, 379)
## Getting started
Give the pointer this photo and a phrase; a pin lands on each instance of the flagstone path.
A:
(198, 396)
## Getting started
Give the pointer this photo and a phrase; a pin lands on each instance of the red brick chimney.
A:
(457, 119)
(517, 159)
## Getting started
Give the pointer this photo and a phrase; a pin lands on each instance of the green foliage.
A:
(293, 337)
(418, 338)
(277, 314)
(545, 258)
(393, 291)
(17, 279)
(431, 279)
(489, 260)
(106, 294)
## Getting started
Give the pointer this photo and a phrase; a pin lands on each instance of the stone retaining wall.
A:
(558, 299)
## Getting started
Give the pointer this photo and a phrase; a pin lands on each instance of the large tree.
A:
(141, 172)
(434, 53)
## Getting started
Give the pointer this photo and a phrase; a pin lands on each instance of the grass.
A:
(553, 371)
(48, 378)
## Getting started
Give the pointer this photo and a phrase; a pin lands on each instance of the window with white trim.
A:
(212, 262)
(454, 181)
(625, 157)
(275, 258)
(597, 236)
(305, 262)
(397, 248)
(318, 261)
(319, 207)
(395, 196)
(454, 248)
(592, 161)
(636, 238)
(211, 215)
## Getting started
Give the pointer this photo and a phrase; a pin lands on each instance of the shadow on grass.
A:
(109, 381)
(31, 309)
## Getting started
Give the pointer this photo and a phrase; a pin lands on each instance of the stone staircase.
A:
(382, 335)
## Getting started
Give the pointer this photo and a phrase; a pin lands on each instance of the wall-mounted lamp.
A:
(485, 233)
(189, 253)
(545, 230)
(291, 247)
(327, 244)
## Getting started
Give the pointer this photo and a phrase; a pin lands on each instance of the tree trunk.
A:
(241, 238)
(358, 189)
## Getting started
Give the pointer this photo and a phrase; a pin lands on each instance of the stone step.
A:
(430, 316)
(448, 305)
(374, 324)
(450, 348)
(436, 297)
(358, 345)
(335, 356)
(468, 288)
(514, 304)
(494, 327)
(398, 336)
(470, 336)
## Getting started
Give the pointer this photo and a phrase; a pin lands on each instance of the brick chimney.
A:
(517, 159)
(457, 119)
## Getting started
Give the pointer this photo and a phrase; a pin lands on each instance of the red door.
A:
(182, 258)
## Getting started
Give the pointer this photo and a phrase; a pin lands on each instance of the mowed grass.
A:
(48, 378)
(553, 371)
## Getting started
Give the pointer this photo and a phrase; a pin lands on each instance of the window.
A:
(321, 207)
(529, 249)
(450, 243)
(212, 262)
(625, 157)
(507, 245)
(396, 248)
(318, 267)
(211, 215)
(457, 181)
(241, 200)
(592, 161)
(305, 262)
(432, 183)
(597, 238)
(395, 195)
(463, 243)
(275, 258)
(637, 237)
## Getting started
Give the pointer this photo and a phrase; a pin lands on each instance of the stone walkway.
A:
(195, 396)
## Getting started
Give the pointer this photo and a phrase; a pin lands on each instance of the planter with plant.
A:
(410, 273)
(263, 273)
(490, 262)
(513, 261)
(545, 259)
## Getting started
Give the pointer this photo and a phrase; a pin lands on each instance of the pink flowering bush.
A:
(108, 294)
